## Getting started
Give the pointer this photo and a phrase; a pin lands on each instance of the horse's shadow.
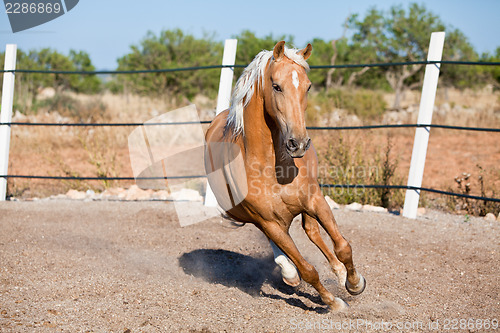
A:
(246, 273)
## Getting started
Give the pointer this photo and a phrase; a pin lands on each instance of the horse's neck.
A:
(258, 135)
(262, 138)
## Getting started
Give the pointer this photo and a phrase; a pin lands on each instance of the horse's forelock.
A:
(297, 58)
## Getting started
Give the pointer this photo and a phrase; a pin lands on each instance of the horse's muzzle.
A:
(297, 148)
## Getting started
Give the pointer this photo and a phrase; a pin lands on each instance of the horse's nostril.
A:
(292, 144)
(308, 144)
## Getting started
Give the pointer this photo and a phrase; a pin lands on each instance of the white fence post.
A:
(223, 99)
(424, 117)
(6, 115)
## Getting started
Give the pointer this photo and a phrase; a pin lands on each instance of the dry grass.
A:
(103, 151)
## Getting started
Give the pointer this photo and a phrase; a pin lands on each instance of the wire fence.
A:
(193, 68)
(313, 128)
(329, 186)
(318, 128)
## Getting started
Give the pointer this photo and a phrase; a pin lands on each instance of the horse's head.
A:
(285, 96)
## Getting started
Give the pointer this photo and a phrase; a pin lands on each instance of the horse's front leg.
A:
(311, 228)
(355, 283)
(282, 239)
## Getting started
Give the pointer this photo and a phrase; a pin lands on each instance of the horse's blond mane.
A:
(245, 87)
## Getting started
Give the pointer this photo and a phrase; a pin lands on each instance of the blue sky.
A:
(107, 28)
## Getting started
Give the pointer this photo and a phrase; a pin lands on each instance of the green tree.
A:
(403, 35)
(51, 60)
(338, 52)
(84, 83)
(29, 84)
(26, 85)
(172, 49)
(456, 48)
(495, 70)
(327, 53)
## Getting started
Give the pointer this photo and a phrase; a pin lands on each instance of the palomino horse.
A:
(268, 167)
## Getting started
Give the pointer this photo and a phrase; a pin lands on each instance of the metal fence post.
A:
(6, 114)
(424, 117)
(223, 99)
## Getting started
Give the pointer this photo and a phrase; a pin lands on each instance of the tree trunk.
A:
(329, 74)
(398, 90)
(396, 81)
(355, 75)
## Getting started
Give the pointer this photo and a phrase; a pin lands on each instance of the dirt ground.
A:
(77, 266)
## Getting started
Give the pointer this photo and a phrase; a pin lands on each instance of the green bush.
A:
(67, 106)
(171, 49)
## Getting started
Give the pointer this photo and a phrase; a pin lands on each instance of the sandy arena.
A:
(76, 266)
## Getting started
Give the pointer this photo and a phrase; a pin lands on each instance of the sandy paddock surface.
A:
(78, 266)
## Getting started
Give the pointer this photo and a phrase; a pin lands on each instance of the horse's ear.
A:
(279, 50)
(306, 52)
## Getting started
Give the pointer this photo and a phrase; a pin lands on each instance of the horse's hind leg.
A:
(288, 270)
(308, 273)
(355, 283)
(311, 228)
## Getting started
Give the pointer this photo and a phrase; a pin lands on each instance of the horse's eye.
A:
(276, 87)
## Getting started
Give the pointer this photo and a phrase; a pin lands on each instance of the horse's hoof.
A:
(357, 289)
(294, 282)
(338, 305)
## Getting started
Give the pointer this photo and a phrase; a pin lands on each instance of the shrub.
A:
(466, 183)
(81, 111)
(350, 163)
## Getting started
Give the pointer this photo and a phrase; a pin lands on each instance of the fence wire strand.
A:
(312, 128)
(356, 186)
(192, 68)
(406, 187)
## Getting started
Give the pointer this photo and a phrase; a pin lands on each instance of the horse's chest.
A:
(282, 201)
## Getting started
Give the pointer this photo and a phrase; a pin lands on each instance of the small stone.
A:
(490, 217)
(331, 203)
(90, 193)
(135, 193)
(421, 211)
(354, 206)
(376, 209)
(161, 195)
(113, 191)
(75, 195)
